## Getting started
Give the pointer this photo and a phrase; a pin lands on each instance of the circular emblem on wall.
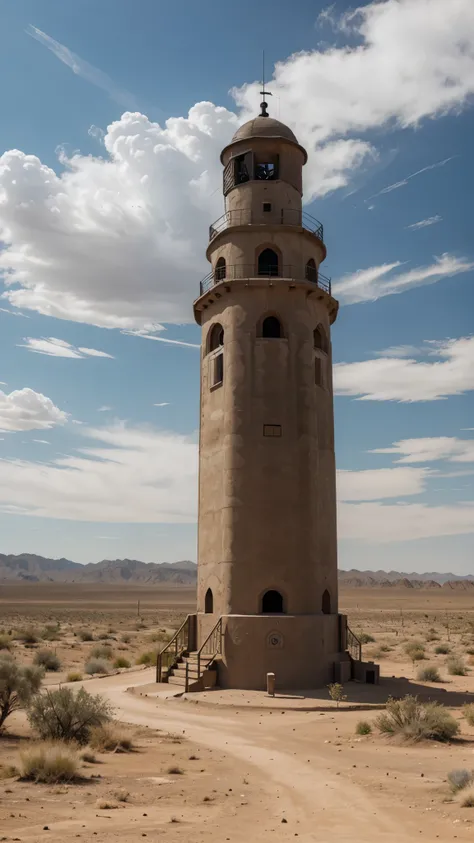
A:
(275, 641)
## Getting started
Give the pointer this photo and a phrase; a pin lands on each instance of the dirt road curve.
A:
(303, 778)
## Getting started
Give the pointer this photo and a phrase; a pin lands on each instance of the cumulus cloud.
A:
(375, 484)
(415, 226)
(25, 409)
(60, 348)
(407, 379)
(381, 523)
(117, 241)
(378, 281)
(430, 449)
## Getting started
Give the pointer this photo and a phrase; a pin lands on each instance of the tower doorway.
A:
(272, 603)
(209, 602)
(268, 263)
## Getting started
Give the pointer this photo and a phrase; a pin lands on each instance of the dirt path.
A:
(307, 784)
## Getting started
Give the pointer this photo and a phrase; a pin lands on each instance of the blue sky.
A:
(112, 124)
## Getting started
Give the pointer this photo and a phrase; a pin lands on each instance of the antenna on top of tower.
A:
(264, 93)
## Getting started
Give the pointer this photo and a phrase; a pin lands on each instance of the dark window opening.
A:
(209, 602)
(218, 369)
(272, 430)
(243, 168)
(268, 263)
(220, 269)
(267, 206)
(311, 272)
(318, 371)
(320, 340)
(326, 603)
(272, 603)
(271, 327)
(267, 171)
(370, 677)
(216, 337)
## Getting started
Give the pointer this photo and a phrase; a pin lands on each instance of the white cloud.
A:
(144, 335)
(415, 226)
(163, 404)
(390, 187)
(429, 449)
(53, 347)
(104, 409)
(400, 351)
(401, 379)
(382, 523)
(125, 474)
(373, 484)
(25, 409)
(118, 241)
(41, 441)
(372, 283)
(82, 68)
(13, 312)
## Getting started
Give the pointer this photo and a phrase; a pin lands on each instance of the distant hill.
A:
(28, 567)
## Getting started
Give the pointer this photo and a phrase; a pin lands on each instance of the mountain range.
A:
(28, 567)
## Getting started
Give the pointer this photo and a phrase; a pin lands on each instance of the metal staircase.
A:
(190, 669)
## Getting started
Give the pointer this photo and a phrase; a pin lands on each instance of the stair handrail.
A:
(354, 645)
(179, 643)
(216, 636)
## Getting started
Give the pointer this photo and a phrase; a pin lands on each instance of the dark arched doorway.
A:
(311, 272)
(326, 603)
(209, 602)
(271, 327)
(220, 269)
(272, 603)
(268, 262)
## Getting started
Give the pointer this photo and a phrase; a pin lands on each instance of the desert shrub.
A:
(468, 711)
(411, 720)
(68, 715)
(88, 757)
(365, 638)
(385, 648)
(49, 763)
(8, 771)
(458, 779)
(96, 666)
(74, 676)
(104, 636)
(468, 800)
(51, 632)
(18, 685)
(363, 728)
(442, 649)
(27, 636)
(47, 659)
(121, 662)
(147, 658)
(414, 650)
(432, 635)
(430, 673)
(121, 795)
(175, 771)
(336, 692)
(5, 641)
(85, 635)
(126, 638)
(101, 651)
(107, 737)
(456, 666)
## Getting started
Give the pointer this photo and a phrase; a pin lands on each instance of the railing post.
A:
(186, 681)
(158, 668)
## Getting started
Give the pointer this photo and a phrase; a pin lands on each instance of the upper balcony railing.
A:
(287, 216)
(243, 271)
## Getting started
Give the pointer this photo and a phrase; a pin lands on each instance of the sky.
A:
(113, 118)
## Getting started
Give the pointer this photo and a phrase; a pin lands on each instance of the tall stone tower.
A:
(267, 556)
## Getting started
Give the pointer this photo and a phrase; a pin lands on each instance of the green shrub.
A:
(96, 666)
(47, 659)
(363, 728)
(74, 676)
(148, 658)
(468, 711)
(459, 779)
(121, 662)
(27, 636)
(365, 638)
(101, 651)
(51, 632)
(336, 692)
(50, 763)
(428, 674)
(108, 738)
(411, 720)
(5, 641)
(18, 685)
(442, 649)
(68, 715)
(85, 635)
(414, 650)
(456, 666)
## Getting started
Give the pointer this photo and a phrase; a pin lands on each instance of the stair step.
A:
(176, 680)
(181, 669)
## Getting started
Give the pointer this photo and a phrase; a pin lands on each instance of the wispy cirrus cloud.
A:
(53, 347)
(82, 68)
(415, 226)
(146, 336)
(390, 187)
(430, 449)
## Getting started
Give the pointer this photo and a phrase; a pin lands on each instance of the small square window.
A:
(267, 206)
(273, 430)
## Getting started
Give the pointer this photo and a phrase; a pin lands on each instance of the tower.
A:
(267, 550)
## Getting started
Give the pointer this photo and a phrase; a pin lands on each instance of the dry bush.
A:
(51, 632)
(18, 685)
(432, 635)
(126, 638)
(121, 795)
(74, 676)
(468, 711)
(106, 804)
(85, 635)
(101, 651)
(411, 720)
(365, 638)
(108, 738)
(363, 728)
(430, 673)
(459, 779)
(175, 771)
(47, 659)
(336, 692)
(148, 658)
(88, 757)
(442, 649)
(68, 715)
(468, 800)
(121, 662)
(50, 763)
(415, 650)
(96, 666)
(5, 641)
(27, 636)
(456, 666)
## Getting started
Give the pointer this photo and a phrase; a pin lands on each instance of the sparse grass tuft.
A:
(363, 728)
(126, 638)
(47, 659)
(442, 649)
(412, 720)
(121, 662)
(49, 763)
(459, 779)
(96, 666)
(430, 673)
(456, 666)
(109, 738)
(468, 711)
(74, 676)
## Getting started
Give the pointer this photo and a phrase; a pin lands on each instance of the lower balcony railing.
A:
(241, 271)
(286, 216)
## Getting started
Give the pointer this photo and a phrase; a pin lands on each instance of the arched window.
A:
(326, 603)
(272, 603)
(320, 341)
(216, 337)
(220, 269)
(268, 263)
(311, 272)
(271, 327)
(209, 602)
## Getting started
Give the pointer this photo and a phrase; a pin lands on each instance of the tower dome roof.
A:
(264, 127)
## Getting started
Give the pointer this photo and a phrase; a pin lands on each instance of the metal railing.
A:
(228, 273)
(211, 647)
(354, 646)
(173, 650)
(286, 216)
